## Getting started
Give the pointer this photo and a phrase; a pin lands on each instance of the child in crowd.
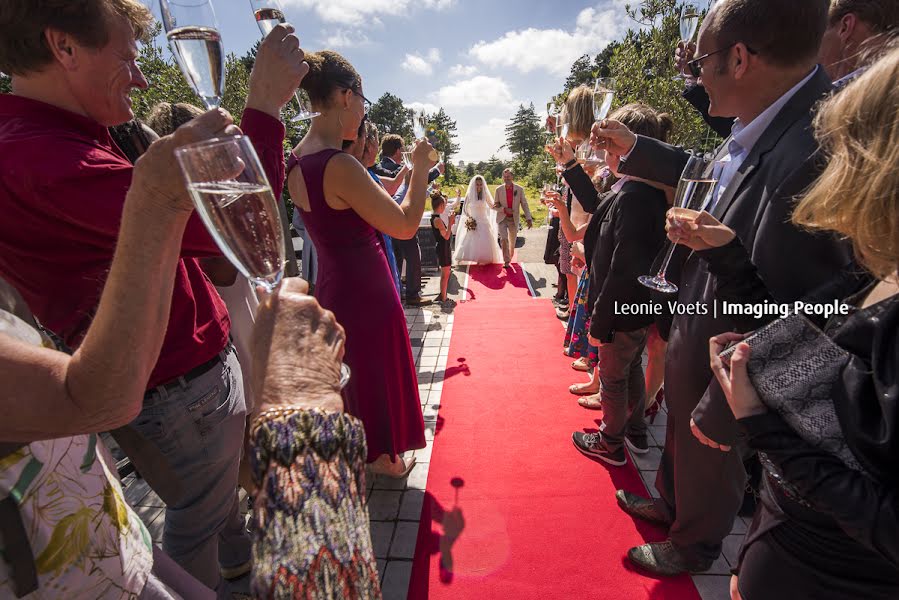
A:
(442, 234)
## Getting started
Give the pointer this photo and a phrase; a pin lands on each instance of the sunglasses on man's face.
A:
(695, 65)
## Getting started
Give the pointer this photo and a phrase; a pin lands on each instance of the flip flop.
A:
(579, 389)
(590, 402)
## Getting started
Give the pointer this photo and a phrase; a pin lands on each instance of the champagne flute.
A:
(603, 94)
(552, 112)
(694, 191)
(689, 23)
(268, 14)
(419, 124)
(562, 125)
(235, 201)
(193, 35)
(407, 160)
(586, 156)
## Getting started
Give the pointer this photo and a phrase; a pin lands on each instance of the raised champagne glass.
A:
(268, 14)
(193, 34)
(603, 95)
(689, 24)
(694, 193)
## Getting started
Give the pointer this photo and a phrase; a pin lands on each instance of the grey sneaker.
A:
(592, 444)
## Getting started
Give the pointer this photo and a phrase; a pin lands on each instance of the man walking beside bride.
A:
(485, 219)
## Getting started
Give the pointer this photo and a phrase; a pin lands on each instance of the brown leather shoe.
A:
(641, 508)
(662, 558)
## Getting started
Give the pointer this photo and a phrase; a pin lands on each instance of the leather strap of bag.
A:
(16, 551)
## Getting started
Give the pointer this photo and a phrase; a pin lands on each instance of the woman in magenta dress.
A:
(344, 209)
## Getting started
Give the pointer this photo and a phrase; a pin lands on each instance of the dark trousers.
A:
(410, 253)
(701, 488)
(622, 389)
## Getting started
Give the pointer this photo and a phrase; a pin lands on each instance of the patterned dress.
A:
(576, 342)
(86, 542)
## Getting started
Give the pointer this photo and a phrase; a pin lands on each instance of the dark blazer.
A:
(622, 239)
(699, 98)
(757, 205)
(389, 168)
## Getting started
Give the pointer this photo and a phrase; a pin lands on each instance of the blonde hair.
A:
(857, 196)
(645, 120)
(579, 109)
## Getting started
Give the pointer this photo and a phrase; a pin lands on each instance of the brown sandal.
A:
(392, 472)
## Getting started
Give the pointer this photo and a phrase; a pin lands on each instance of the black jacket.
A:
(757, 204)
(389, 168)
(866, 401)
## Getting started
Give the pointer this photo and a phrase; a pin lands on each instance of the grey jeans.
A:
(199, 427)
(622, 387)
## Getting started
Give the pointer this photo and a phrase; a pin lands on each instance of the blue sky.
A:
(479, 59)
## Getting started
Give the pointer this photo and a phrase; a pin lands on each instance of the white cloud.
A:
(422, 65)
(554, 50)
(477, 91)
(364, 12)
(344, 38)
(462, 70)
(481, 139)
(422, 107)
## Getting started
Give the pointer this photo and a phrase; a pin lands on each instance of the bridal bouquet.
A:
(471, 224)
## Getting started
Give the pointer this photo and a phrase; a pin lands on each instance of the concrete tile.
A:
(739, 527)
(658, 432)
(428, 361)
(418, 478)
(719, 567)
(430, 412)
(713, 587)
(430, 430)
(381, 534)
(403, 545)
(731, 549)
(382, 482)
(424, 454)
(382, 566)
(410, 507)
(649, 461)
(384, 505)
(396, 580)
(433, 341)
(649, 478)
(430, 351)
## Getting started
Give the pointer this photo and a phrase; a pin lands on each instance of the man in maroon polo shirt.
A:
(62, 188)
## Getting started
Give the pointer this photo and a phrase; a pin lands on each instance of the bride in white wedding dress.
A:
(478, 246)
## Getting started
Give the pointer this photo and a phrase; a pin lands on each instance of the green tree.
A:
(389, 114)
(524, 134)
(5, 84)
(582, 71)
(445, 128)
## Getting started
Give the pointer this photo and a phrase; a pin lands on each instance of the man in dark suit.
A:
(405, 250)
(857, 30)
(758, 64)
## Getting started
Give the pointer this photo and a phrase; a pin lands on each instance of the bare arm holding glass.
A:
(352, 185)
(102, 385)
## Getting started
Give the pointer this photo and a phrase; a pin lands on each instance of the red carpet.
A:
(512, 509)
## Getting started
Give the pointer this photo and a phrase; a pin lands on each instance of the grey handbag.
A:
(794, 367)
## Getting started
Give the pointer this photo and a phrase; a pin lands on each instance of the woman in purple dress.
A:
(344, 209)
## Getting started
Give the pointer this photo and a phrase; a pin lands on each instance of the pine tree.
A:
(389, 114)
(524, 134)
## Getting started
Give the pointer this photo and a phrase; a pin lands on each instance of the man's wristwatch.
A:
(570, 164)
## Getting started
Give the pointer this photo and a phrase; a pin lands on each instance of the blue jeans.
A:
(199, 427)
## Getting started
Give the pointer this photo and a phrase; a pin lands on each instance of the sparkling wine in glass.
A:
(193, 35)
(694, 192)
(603, 94)
(552, 112)
(586, 156)
(268, 14)
(235, 201)
(689, 24)
(419, 124)
(407, 160)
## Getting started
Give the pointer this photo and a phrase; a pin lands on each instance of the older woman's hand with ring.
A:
(297, 349)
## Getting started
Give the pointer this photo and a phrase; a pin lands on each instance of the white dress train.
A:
(479, 246)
